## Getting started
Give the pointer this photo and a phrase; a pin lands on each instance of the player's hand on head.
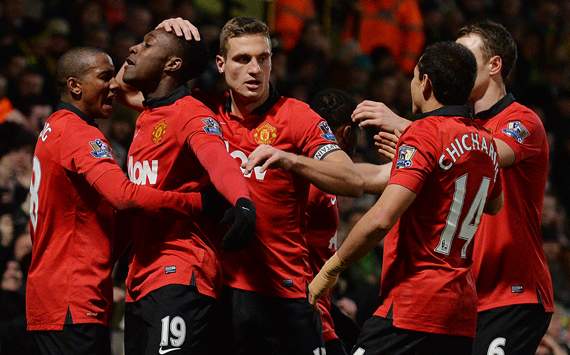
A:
(181, 27)
(386, 143)
(242, 229)
(377, 115)
(267, 157)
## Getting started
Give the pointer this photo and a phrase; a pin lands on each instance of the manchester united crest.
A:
(159, 131)
(265, 134)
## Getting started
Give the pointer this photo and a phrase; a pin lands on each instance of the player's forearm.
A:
(363, 237)
(223, 170)
(114, 186)
(375, 176)
(340, 178)
(376, 223)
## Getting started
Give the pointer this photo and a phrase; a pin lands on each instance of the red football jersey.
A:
(508, 261)
(451, 164)
(169, 152)
(69, 219)
(275, 263)
(322, 220)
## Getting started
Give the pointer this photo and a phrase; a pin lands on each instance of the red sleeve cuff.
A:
(411, 182)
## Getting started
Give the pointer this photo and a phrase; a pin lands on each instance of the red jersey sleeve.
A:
(416, 156)
(204, 136)
(312, 134)
(523, 132)
(88, 153)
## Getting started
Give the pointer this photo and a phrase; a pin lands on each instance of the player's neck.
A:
(79, 105)
(164, 88)
(495, 91)
(430, 105)
(244, 108)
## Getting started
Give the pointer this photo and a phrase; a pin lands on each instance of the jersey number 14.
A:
(470, 222)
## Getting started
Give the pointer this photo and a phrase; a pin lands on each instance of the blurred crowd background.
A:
(366, 47)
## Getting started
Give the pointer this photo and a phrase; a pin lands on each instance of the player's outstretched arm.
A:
(114, 186)
(88, 153)
(375, 176)
(334, 174)
(366, 234)
(228, 179)
(377, 115)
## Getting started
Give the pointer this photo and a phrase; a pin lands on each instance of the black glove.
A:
(242, 230)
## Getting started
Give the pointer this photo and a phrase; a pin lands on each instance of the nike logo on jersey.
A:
(166, 351)
(333, 201)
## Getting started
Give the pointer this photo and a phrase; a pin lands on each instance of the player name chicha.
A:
(466, 143)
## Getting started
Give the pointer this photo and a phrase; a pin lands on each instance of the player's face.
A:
(247, 67)
(474, 43)
(416, 90)
(146, 61)
(96, 92)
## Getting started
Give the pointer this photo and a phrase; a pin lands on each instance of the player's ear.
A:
(495, 65)
(74, 87)
(173, 64)
(220, 63)
(426, 87)
(346, 133)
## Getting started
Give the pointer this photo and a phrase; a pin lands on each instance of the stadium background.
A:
(317, 44)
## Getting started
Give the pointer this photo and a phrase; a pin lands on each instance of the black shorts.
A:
(335, 347)
(345, 328)
(171, 317)
(74, 339)
(252, 324)
(515, 329)
(380, 337)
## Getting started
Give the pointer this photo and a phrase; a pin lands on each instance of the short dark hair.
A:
(194, 55)
(335, 106)
(75, 62)
(452, 70)
(497, 40)
(241, 26)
